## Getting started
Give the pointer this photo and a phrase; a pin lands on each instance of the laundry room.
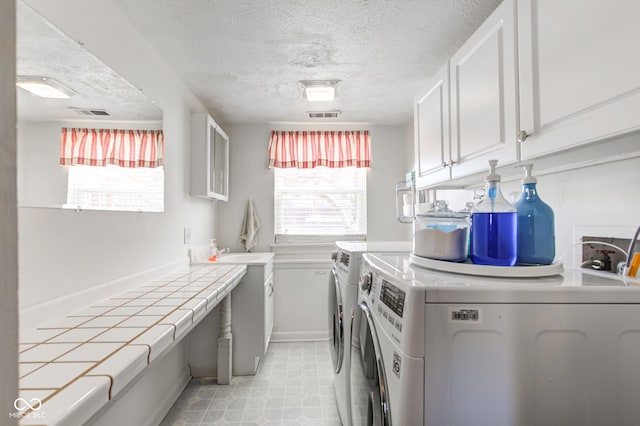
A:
(189, 237)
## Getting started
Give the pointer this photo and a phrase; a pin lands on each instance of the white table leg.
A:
(225, 342)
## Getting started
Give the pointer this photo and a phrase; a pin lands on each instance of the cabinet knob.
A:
(522, 136)
(451, 163)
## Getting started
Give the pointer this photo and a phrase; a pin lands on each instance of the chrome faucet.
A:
(631, 265)
(223, 251)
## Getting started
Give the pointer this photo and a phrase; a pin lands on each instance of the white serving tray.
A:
(469, 268)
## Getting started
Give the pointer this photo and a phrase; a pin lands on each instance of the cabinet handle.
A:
(522, 136)
(451, 163)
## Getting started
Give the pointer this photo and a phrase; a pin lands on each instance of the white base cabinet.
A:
(301, 301)
(251, 312)
(251, 320)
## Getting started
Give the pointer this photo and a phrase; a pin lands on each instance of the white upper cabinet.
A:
(483, 95)
(431, 119)
(209, 159)
(579, 72)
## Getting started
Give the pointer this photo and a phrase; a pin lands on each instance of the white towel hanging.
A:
(250, 227)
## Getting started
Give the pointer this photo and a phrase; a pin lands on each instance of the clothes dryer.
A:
(343, 285)
(439, 349)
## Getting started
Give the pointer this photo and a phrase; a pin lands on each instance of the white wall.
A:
(8, 217)
(250, 176)
(63, 253)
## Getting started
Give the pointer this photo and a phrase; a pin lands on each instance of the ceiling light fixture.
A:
(319, 90)
(45, 87)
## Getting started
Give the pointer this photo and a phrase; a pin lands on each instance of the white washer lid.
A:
(572, 286)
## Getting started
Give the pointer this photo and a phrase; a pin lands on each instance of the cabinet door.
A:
(268, 312)
(483, 95)
(579, 72)
(431, 118)
(218, 163)
(209, 159)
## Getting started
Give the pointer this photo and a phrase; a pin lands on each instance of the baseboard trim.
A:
(299, 336)
(163, 408)
(36, 315)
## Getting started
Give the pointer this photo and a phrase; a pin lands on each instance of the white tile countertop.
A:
(72, 366)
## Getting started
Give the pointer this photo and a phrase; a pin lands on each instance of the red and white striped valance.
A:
(306, 150)
(101, 147)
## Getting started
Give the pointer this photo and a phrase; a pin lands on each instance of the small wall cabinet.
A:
(209, 159)
(483, 96)
(579, 80)
(468, 113)
(533, 83)
(431, 118)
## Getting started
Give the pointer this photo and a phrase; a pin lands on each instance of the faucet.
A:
(223, 250)
(633, 259)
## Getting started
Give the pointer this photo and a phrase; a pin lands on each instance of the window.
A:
(115, 188)
(320, 201)
(114, 169)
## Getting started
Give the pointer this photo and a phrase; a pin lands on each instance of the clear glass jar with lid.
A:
(441, 234)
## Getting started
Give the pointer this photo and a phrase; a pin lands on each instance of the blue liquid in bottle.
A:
(494, 238)
(536, 238)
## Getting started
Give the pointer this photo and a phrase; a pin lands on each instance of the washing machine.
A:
(438, 349)
(343, 284)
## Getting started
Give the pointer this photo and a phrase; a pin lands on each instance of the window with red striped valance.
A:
(102, 147)
(309, 149)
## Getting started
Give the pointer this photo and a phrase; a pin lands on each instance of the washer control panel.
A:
(386, 301)
(393, 297)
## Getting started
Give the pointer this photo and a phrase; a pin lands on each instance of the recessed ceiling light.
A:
(45, 87)
(319, 90)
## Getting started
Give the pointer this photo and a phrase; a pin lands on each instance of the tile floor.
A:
(293, 386)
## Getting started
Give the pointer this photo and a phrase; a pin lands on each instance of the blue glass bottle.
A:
(494, 226)
(536, 234)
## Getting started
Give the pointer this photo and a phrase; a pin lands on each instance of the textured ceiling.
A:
(42, 50)
(243, 59)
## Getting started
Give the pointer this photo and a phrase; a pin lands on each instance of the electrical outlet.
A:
(603, 257)
(187, 235)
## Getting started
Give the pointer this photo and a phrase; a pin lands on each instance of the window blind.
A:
(320, 201)
(115, 188)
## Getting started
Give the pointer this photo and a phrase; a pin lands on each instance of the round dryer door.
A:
(369, 400)
(336, 321)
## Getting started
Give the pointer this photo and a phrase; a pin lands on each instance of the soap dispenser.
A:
(536, 235)
(212, 252)
(494, 225)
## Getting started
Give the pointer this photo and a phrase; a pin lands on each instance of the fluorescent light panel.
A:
(44, 87)
(319, 91)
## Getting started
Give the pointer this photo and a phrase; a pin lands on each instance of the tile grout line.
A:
(234, 268)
